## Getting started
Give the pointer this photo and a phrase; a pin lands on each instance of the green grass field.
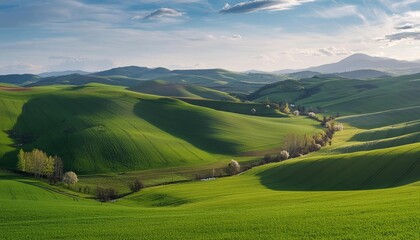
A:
(366, 185)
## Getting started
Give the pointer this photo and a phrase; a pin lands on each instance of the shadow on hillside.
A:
(46, 123)
(335, 173)
(195, 127)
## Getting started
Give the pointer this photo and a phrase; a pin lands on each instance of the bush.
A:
(106, 194)
(233, 167)
(338, 127)
(136, 186)
(312, 115)
(315, 147)
(296, 113)
(283, 155)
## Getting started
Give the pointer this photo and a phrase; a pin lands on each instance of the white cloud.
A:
(262, 5)
(163, 13)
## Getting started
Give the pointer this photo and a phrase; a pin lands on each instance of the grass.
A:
(98, 128)
(372, 191)
(236, 107)
(346, 96)
(230, 208)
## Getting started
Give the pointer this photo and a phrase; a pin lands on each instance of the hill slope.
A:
(164, 88)
(99, 128)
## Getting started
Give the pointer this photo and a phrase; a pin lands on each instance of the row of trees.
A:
(40, 164)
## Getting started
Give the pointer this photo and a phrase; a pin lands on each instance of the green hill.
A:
(346, 96)
(77, 79)
(164, 88)
(98, 128)
(239, 107)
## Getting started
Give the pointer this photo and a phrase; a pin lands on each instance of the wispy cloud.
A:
(341, 11)
(162, 13)
(262, 5)
(403, 35)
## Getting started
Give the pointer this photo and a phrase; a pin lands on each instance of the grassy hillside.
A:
(238, 107)
(346, 96)
(98, 128)
(164, 88)
(232, 208)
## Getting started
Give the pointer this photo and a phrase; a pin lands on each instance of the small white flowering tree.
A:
(70, 178)
(233, 167)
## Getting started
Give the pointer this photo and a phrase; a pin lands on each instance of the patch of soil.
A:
(14, 89)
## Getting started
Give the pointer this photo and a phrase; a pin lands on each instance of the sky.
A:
(91, 35)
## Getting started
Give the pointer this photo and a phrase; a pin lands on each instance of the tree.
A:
(35, 162)
(136, 186)
(70, 178)
(233, 167)
(58, 168)
(21, 165)
(106, 194)
(297, 145)
(285, 108)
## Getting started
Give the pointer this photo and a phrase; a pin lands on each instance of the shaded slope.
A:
(362, 170)
(164, 88)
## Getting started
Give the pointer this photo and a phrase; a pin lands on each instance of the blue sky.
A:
(39, 36)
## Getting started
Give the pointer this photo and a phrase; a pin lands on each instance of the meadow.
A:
(366, 185)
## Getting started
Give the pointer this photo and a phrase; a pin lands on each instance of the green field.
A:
(231, 208)
(366, 185)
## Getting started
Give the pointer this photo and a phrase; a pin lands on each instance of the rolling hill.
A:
(99, 128)
(164, 88)
(347, 96)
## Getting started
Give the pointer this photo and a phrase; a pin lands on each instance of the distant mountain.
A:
(362, 62)
(19, 79)
(62, 73)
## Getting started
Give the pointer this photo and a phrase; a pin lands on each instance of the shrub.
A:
(338, 127)
(233, 167)
(315, 147)
(136, 186)
(296, 113)
(70, 178)
(295, 144)
(283, 155)
(106, 194)
(268, 158)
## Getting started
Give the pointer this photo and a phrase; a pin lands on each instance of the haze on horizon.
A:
(92, 35)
